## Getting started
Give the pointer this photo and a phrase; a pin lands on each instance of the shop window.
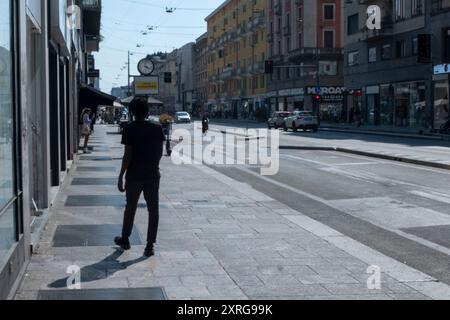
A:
(7, 158)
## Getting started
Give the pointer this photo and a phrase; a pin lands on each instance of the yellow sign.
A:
(146, 85)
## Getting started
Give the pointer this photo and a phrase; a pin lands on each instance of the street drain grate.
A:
(101, 235)
(104, 294)
(98, 169)
(94, 181)
(104, 201)
(93, 158)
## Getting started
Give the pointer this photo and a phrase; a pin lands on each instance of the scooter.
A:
(205, 126)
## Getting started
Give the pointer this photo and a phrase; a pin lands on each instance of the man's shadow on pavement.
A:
(100, 270)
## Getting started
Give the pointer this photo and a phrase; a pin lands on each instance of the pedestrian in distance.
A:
(86, 127)
(144, 143)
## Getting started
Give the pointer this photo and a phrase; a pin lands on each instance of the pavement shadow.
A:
(100, 270)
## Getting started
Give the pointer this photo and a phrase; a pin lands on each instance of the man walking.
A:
(144, 143)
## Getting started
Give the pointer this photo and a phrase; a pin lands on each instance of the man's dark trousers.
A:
(134, 189)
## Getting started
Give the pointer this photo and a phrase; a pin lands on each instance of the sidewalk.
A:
(219, 239)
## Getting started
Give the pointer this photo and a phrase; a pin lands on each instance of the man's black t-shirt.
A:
(146, 141)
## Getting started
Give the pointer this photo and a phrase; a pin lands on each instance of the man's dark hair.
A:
(139, 107)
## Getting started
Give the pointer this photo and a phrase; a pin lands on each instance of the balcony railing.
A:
(311, 52)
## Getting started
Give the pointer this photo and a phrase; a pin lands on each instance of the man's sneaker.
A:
(149, 251)
(123, 243)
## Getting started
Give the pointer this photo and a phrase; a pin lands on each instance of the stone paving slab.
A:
(240, 244)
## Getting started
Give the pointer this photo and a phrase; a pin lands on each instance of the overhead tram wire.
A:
(166, 7)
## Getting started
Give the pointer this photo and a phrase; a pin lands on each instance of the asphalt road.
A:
(400, 210)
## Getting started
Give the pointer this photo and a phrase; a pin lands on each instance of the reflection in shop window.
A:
(7, 224)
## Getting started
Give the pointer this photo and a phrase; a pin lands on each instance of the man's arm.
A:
(125, 165)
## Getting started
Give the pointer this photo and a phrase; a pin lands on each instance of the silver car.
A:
(182, 117)
(301, 120)
(277, 119)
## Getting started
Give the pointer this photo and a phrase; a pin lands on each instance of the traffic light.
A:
(167, 77)
(269, 67)
(317, 98)
(424, 48)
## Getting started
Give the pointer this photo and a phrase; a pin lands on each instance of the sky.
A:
(123, 24)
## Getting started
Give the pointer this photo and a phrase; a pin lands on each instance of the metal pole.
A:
(129, 85)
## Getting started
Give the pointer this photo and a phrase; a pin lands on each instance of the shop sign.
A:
(442, 69)
(326, 90)
(291, 92)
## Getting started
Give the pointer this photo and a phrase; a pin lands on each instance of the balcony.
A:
(256, 23)
(257, 68)
(277, 9)
(301, 54)
(387, 30)
(226, 74)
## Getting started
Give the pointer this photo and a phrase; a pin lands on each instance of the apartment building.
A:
(401, 91)
(44, 49)
(168, 91)
(305, 41)
(236, 53)
(201, 75)
(185, 77)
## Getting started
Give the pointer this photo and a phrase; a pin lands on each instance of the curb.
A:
(388, 134)
(372, 155)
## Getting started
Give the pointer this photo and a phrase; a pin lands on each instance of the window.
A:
(386, 52)
(279, 47)
(328, 11)
(372, 54)
(400, 50)
(406, 9)
(300, 13)
(328, 39)
(353, 24)
(300, 40)
(446, 45)
(353, 58)
(288, 44)
(415, 46)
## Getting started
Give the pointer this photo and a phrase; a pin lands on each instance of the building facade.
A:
(185, 77)
(305, 42)
(201, 75)
(44, 45)
(400, 91)
(236, 53)
(168, 91)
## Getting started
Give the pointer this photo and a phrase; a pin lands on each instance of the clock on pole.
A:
(146, 66)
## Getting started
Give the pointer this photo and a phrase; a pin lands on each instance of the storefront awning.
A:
(92, 98)
(151, 101)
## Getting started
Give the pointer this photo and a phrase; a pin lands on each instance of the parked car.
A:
(182, 117)
(277, 119)
(301, 120)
